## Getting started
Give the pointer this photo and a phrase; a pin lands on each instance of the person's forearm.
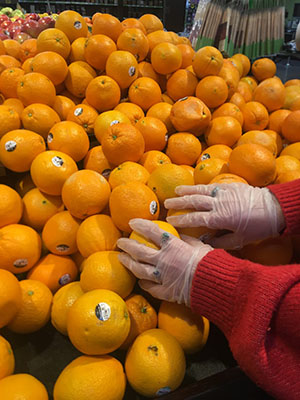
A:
(258, 309)
(288, 195)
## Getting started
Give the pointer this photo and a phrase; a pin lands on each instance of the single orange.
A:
(183, 148)
(72, 24)
(122, 66)
(28, 49)
(103, 93)
(39, 118)
(108, 119)
(62, 105)
(245, 62)
(133, 111)
(228, 178)
(145, 69)
(77, 50)
(288, 176)
(286, 163)
(166, 58)
(133, 23)
(53, 39)
(145, 92)
(134, 41)
(259, 137)
(212, 90)
(52, 65)
(256, 116)
(80, 74)
(9, 62)
(208, 169)
(11, 207)
(187, 53)
(151, 23)
(9, 81)
(292, 150)
(221, 151)
(106, 24)
(24, 385)
(276, 120)
(207, 61)
(9, 120)
(10, 302)
(182, 83)
(153, 159)
(84, 116)
(154, 132)
(223, 130)
(290, 127)
(36, 88)
(270, 93)
(96, 161)
(15, 105)
(97, 50)
(229, 110)
(162, 111)
(263, 68)
(127, 172)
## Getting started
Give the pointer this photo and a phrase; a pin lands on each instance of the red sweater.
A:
(257, 307)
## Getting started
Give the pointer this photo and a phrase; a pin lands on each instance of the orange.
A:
(259, 137)
(187, 53)
(23, 386)
(127, 172)
(96, 161)
(162, 111)
(84, 330)
(276, 120)
(273, 251)
(270, 93)
(212, 90)
(97, 233)
(132, 111)
(245, 90)
(288, 176)
(237, 64)
(9, 80)
(103, 93)
(36, 88)
(59, 233)
(10, 302)
(122, 142)
(208, 169)
(77, 50)
(155, 363)
(292, 98)
(196, 232)
(72, 24)
(28, 49)
(50, 169)
(142, 317)
(216, 151)
(107, 24)
(91, 377)
(52, 65)
(263, 68)
(229, 110)
(182, 83)
(54, 271)
(145, 69)
(24, 184)
(231, 76)
(53, 39)
(153, 159)
(7, 359)
(190, 114)
(237, 99)
(183, 148)
(143, 204)
(39, 207)
(34, 312)
(286, 163)
(70, 138)
(2, 48)
(151, 23)
(15, 105)
(157, 37)
(292, 150)
(84, 116)
(145, 92)
(108, 119)
(63, 300)
(26, 66)
(254, 163)
(122, 67)
(62, 105)
(190, 329)
(166, 58)
(12, 48)
(80, 74)
(103, 270)
(154, 132)
(252, 82)
(133, 23)
(223, 130)
(227, 178)
(291, 127)
(39, 118)
(207, 61)
(292, 82)
(19, 147)
(85, 193)
(164, 179)
(11, 207)
(9, 61)
(97, 50)
(256, 116)
(134, 41)
(9, 120)
(245, 62)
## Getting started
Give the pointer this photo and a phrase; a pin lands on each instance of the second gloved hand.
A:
(166, 273)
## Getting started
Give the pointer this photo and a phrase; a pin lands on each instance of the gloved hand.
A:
(166, 273)
(251, 213)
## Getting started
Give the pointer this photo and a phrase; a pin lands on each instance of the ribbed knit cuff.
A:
(288, 196)
(213, 288)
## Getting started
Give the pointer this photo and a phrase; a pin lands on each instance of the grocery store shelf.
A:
(140, 6)
(67, 3)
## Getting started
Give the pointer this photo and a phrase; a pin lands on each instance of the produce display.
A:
(100, 121)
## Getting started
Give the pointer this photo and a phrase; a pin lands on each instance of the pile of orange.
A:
(101, 127)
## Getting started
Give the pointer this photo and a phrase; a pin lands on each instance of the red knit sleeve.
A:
(258, 309)
(288, 195)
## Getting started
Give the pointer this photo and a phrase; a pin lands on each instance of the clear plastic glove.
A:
(166, 273)
(251, 213)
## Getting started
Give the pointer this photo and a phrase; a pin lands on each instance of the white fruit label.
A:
(166, 138)
(62, 247)
(64, 279)
(114, 122)
(10, 145)
(205, 156)
(50, 138)
(164, 390)
(78, 111)
(77, 25)
(57, 161)
(131, 71)
(182, 99)
(21, 262)
(106, 173)
(102, 311)
(153, 207)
